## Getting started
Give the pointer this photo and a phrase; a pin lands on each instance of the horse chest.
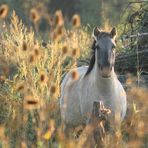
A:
(110, 100)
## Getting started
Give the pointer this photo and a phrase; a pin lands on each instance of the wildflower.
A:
(3, 11)
(59, 30)
(74, 75)
(64, 50)
(59, 18)
(34, 15)
(50, 130)
(43, 77)
(24, 46)
(76, 21)
(30, 102)
(53, 89)
(36, 52)
(31, 58)
(20, 88)
(75, 52)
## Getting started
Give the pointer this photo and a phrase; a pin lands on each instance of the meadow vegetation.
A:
(31, 72)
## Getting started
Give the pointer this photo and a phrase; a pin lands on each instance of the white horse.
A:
(98, 82)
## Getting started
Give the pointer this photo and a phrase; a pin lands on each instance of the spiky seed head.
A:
(58, 21)
(20, 88)
(36, 52)
(59, 30)
(75, 52)
(76, 21)
(43, 77)
(64, 50)
(34, 15)
(74, 75)
(31, 58)
(24, 46)
(30, 102)
(53, 89)
(3, 11)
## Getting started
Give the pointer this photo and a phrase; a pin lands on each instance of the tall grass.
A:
(30, 81)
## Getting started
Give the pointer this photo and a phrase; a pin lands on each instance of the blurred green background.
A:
(92, 12)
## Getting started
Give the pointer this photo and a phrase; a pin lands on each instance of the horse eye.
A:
(113, 47)
(97, 46)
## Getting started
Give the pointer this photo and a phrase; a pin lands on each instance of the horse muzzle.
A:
(106, 71)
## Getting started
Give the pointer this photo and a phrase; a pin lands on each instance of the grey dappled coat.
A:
(78, 95)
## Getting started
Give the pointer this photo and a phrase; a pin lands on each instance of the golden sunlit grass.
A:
(35, 87)
(29, 101)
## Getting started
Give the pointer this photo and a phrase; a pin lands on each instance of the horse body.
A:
(78, 95)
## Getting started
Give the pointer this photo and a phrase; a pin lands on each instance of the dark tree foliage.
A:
(135, 33)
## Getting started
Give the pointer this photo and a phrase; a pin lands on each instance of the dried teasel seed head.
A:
(3, 11)
(59, 30)
(43, 77)
(31, 58)
(36, 52)
(64, 50)
(30, 102)
(76, 21)
(24, 46)
(74, 75)
(75, 52)
(58, 18)
(53, 89)
(20, 88)
(34, 15)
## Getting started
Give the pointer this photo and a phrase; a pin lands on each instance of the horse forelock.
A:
(103, 34)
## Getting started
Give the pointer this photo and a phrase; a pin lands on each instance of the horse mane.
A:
(92, 60)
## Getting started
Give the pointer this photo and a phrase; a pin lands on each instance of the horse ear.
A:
(96, 32)
(113, 32)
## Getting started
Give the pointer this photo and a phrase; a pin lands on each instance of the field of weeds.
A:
(31, 72)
